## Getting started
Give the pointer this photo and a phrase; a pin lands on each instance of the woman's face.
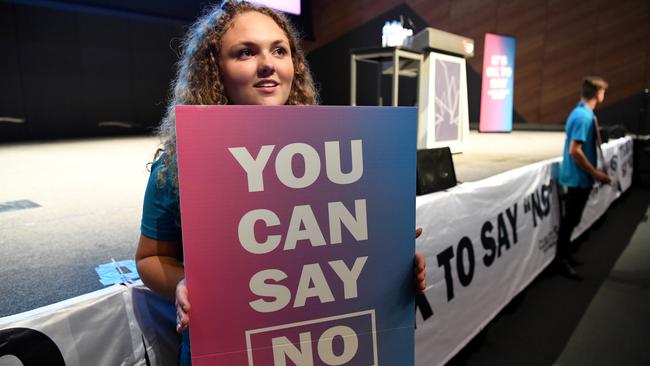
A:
(256, 61)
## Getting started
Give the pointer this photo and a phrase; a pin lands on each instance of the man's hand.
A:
(602, 177)
(575, 150)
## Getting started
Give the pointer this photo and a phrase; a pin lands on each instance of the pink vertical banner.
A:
(298, 233)
(498, 83)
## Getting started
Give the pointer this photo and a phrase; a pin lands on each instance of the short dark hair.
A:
(591, 85)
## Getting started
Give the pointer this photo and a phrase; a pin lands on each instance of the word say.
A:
(505, 229)
(313, 283)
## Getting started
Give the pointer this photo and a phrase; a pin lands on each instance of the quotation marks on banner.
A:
(539, 203)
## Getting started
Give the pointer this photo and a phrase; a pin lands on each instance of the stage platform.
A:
(487, 154)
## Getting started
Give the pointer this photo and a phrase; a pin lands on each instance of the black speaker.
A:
(641, 171)
(643, 127)
(612, 132)
(435, 170)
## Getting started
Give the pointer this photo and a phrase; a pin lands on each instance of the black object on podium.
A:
(435, 170)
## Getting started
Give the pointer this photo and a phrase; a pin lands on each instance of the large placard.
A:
(298, 233)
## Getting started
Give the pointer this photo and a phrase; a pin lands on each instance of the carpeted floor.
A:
(547, 324)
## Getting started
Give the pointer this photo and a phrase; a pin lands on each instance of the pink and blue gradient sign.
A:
(298, 233)
(498, 83)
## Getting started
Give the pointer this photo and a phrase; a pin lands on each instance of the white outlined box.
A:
(363, 322)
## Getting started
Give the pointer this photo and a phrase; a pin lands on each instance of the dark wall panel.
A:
(152, 62)
(106, 73)
(74, 71)
(13, 125)
(182, 10)
(627, 113)
(51, 71)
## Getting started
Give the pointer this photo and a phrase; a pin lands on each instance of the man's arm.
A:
(575, 150)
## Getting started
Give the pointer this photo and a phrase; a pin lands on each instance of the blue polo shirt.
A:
(579, 127)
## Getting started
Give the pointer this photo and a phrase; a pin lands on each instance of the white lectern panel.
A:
(443, 116)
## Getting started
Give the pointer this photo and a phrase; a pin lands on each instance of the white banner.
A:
(119, 325)
(93, 329)
(484, 242)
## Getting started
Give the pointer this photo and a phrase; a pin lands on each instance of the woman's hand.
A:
(420, 268)
(182, 306)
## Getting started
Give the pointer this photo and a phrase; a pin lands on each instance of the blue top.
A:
(579, 127)
(161, 218)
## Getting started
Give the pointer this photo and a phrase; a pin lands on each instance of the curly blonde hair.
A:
(199, 79)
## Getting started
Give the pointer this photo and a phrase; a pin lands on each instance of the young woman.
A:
(237, 53)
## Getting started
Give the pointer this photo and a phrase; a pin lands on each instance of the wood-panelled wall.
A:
(558, 42)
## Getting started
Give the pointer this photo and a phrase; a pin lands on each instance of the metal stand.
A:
(404, 63)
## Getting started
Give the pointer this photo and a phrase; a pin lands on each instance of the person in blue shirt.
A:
(578, 171)
(236, 53)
